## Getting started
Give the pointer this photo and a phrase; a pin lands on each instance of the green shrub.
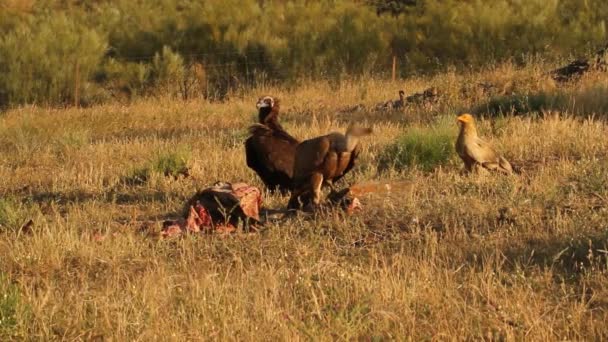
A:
(124, 78)
(168, 72)
(171, 164)
(238, 39)
(10, 302)
(9, 213)
(241, 43)
(41, 59)
(424, 148)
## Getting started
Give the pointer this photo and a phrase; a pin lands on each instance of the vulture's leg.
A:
(468, 166)
(505, 166)
(294, 202)
(330, 184)
(316, 181)
(481, 169)
(490, 166)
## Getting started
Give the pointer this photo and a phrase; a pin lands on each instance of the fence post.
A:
(394, 67)
(77, 84)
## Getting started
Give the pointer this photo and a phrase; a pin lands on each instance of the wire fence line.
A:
(212, 74)
(259, 63)
(224, 58)
(228, 52)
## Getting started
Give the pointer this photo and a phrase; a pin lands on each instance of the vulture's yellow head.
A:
(465, 119)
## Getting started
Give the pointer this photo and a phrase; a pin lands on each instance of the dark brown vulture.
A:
(393, 104)
(429, 96)
(323, 161)
(270, 150)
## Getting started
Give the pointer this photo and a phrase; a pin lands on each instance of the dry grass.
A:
(443, 256)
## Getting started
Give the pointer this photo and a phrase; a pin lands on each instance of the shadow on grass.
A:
(169, 164)
(62, 197)
(521, 104)
(111, 196)
(161, 134)
(579, 102)
(361, 114)
(141, 197)
(569, 256)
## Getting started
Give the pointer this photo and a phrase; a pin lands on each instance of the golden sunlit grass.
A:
(440, 256)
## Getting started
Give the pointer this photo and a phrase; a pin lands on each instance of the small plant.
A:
(8, 214)
(425, 148)
(171, 164)
(590, 180)
(10, 300)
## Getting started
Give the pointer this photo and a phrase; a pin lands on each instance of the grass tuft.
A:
(422, 147)
(523, 256)
(10, 301)
(168, 164)
(9, 213)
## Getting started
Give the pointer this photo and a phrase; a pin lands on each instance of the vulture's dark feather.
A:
(270, 150)
(322, 161)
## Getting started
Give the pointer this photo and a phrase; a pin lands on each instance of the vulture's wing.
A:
(280, 152)
(351, 162)
(270, 150)
(485, 155)
(481, 151)
(254, 160)
(310, 154)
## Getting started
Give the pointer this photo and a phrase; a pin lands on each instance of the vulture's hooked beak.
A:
(464, 118)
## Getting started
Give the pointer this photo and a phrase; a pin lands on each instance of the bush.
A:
(41, 59)
(124, 79)
(424, 148)
(171, 164)
(168, 72)
(242, 42)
